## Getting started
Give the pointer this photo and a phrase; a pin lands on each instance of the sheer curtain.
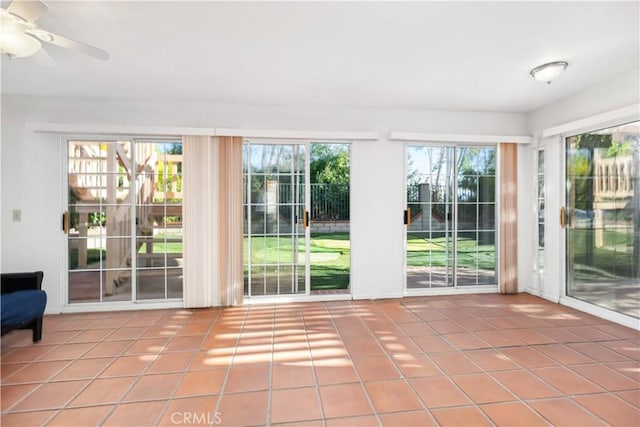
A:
(508, 218)
(212, 188)
(199, 221)
(230, 275)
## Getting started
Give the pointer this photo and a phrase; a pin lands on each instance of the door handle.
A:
(65, 222)
(407, 217)
(563, 217)
(306, 219)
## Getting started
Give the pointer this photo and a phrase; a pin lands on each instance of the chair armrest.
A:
(11, 282)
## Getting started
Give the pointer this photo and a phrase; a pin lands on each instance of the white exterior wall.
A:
(32, 173)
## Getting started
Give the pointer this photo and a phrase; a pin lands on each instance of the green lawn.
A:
(613, 258)
(333, 271)
(161, 247)
(93, 256)
(329, 256)
(422, 252)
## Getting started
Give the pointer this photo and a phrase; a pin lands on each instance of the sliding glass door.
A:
(296, 218)
(603, 218)
(450, 216)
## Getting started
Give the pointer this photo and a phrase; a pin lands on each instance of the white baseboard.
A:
(377, 296)
(622, 319)
(491, 289)
(117, 306)
(283, 299)
(550, 297)
(532, 291)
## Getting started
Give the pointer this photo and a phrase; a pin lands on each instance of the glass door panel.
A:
(99, 239)
(158, 222)
(476, 207)
(275, 233)
(329, 217)
(430, 210)
(451, 207)
(540, 202)
(603, 218)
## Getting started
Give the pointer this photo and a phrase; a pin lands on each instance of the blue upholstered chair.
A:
(22, 302)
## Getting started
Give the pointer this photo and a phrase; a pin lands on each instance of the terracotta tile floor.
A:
(458, 360)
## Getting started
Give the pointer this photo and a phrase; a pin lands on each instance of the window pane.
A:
(603, 232)
(539, 261)
(159, 219)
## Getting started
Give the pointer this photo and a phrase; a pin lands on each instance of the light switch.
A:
(17, 215)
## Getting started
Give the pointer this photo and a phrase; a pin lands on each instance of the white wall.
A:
(377, 198)
(32, 173)
(616, 92)
(619, 91)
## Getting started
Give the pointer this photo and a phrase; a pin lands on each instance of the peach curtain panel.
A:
(199, 228)
(230, 280)
(212, 188)
(508, 218)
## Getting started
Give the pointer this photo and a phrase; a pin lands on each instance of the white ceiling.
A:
(472, 56)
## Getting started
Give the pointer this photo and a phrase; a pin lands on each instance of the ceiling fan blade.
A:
(42, 59)
(68, 43)
(29, 10)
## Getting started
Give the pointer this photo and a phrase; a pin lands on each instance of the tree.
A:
(329, 171)
(175, 148)
(329, 164)
(580, 167)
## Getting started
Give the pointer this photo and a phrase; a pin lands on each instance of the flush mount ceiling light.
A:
(547, 72)
(14, 39)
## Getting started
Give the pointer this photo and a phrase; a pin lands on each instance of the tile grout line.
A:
(488, 373)
(116, 405)
(139, 376)
(314, 376)
(48, 381)
(270, 375)
(360, 380)
(526, 369)
(64, 405)
(183, 372)
(407, 381)
(354, 313)
(233, 355)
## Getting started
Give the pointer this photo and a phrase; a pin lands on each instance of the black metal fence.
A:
(330, 202)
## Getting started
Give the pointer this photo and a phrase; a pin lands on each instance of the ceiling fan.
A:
(21, 37)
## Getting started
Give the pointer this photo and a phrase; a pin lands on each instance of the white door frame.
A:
(79, 307)
(545, 282)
